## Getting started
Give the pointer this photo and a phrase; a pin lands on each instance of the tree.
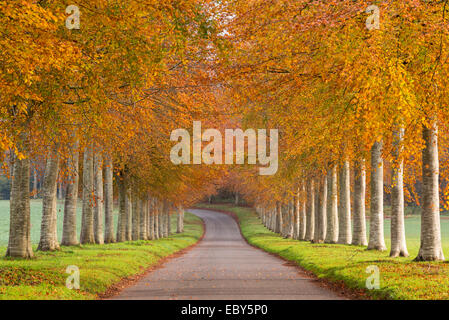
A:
(376, 233)
(332, 206)
(69, 234)
(430, 248)
(109, 200)
(359, 226)
(344, 210)
(99, 200)
(398, 244)
(49, 236)
(87, 222)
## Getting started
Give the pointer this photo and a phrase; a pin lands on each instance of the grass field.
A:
(101, 266)
(400, 278)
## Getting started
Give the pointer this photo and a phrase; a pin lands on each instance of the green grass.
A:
(400, 278)
(101, 266)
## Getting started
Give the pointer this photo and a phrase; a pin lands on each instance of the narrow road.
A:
(224, 266)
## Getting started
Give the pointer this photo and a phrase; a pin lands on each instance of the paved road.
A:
(224, 266)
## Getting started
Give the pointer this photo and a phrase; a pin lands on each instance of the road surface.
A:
(224, 266)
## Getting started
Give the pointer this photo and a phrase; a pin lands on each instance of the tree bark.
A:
(303, 215)
(146, 216)
(144, 228)
(376, 228)
(167, 209)
(98, 203)
(180, 222)
(34, 182)
(344, 211)
(291, 219)
(279, 220)
(49, 237)
(169, 212)
(332, 206)
(137, 210)
(69, 234)
(151, 220)
(310, 220)
(359, 232)
(316, 234)
(19, 244)
(161, 219)
(284, 216)
(128, 212)
(121, 228)
(430, 248)
(109, 200)
(322, 225)
(296, 231)
(156, 218)
(398, 244)
(87, 221)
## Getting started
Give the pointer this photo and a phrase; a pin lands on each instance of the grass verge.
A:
(400, 278)
(101, 266)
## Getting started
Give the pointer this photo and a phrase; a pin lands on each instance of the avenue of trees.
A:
(360, 111)
(92, 109)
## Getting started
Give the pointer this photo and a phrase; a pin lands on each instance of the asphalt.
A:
(224, 267)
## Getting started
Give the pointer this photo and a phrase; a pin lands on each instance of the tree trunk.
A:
(151, 220)
(161, 219)
(144, 225)
(376, 227)
(269, 219)
(180, 222)
(19, 244)
(49, 236)
(284, 216)
(121, 228)
(109, 200)
(136, 212)
(316, 228)
(323, 211)
(291, 220)
(344, 211)
(164, 219)
(332, 207)
(98, 194)
(87, 222)
(69, 234)
(303, 215)
(310, 220)
(296, 231)
(359, 232)
(156, 218)
(167, 209)
(128, 213)
(34, 182)
(430, 248)
(398, 244)
(279, 221)
(146, 216)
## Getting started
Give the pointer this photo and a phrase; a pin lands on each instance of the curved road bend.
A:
(224, 266)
